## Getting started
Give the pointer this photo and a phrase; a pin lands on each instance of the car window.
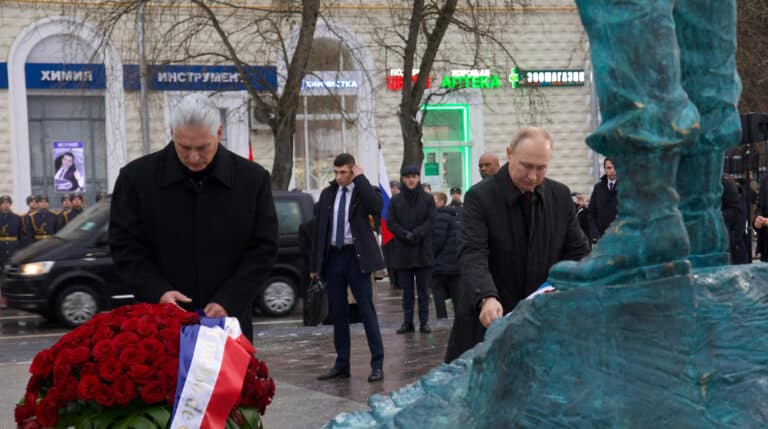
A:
(288, 216)
(83, 226)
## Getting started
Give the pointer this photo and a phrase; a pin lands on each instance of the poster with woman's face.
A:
(68, 166)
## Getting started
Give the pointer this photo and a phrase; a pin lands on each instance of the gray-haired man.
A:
(194, 224)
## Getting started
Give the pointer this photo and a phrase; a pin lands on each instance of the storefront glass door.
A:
(447, 147)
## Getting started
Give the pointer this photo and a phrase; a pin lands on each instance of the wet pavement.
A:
(295, 354)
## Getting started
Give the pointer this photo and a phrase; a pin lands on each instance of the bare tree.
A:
(752, 55)
(224, 32)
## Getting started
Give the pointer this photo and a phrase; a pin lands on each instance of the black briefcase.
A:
(316, 304)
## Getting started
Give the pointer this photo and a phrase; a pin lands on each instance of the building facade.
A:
(67, 89)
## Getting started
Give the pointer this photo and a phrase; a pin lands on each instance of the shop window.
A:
(326, 124)
(74, 119)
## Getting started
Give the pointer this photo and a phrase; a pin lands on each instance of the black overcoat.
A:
(603, 205)
(445, 241)
(493, 241)
(214, 242)
(412, 211)
(366, 203)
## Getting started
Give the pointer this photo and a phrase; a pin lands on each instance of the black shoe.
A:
(424, 328)
(407, 327)
(334, 373)
(376, 375)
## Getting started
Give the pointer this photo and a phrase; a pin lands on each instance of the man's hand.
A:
(214, 310)
(760, 222)
(490, 311)
(357, 171)
(314, 276)
(174, 297)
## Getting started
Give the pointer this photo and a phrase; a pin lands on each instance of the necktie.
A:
(610, 186)
(340, 221)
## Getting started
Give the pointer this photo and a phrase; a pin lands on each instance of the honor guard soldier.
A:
(26, 220)
(77, 206)
(11, 231)
(64, 216)
(42, 221)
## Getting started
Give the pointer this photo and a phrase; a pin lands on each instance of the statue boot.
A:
(648, 239)
(706, 33)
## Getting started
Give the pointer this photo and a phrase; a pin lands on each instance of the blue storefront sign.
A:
(65, 76)
(200, 78)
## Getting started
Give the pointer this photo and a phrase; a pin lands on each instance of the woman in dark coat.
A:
(445, 277)
(498, 256)
(410, 217)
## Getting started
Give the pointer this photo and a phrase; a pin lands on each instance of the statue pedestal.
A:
(685, 352)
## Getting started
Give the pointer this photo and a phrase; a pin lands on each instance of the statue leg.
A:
(706, 32)
(647, 117)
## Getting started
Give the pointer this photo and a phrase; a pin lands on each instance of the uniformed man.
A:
(77, 206)
(66, 207)
(26, 220)
(42, 221)
(11, 231)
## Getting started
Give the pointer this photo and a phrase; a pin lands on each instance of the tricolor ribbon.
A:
(213, 360)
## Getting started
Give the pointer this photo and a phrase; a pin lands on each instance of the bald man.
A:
(489, 165)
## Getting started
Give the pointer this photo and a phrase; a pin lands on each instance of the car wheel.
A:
(278, 297)
(76, 305)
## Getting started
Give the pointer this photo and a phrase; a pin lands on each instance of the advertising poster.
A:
(68, 166)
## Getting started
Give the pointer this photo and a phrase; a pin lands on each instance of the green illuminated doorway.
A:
(447, 146)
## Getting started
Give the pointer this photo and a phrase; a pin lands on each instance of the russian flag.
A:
(386, 195)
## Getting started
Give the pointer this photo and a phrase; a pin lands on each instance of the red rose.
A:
(103, 395)
(42, 364)
(103, 333)
(151, 347)
(130, 325)
(61, 373)
(105, 349)
(171, 339)
(30, 424)
(173, 325)
(47, 413)
(110, 369)
(167, 367)
(124, 390)
(54, 395)
(89, 368)
(140, 373)
(86, 389)
(153, 393)
(35, 383)
(132, 356)
(126, 339)
(79, 355)
(64, 356)
(263, 371)
(187, 317)
(69, 390)
(23, 412)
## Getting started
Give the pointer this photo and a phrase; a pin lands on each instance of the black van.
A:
(71, 276)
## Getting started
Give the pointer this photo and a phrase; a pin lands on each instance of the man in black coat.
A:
(517, 224)
(194, 224)
(445, 276)
(344, 254)
(761, 219)
(410, 217)
(603, 203)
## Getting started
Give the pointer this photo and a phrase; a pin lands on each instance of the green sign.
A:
(431, 169)
(478, 82)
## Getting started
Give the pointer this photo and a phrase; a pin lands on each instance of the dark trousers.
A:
(423, 278)
(342, 270)
(445, 286)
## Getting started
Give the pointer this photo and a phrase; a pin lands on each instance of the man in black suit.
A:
(345, 253)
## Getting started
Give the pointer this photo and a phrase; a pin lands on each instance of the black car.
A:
(71, 276)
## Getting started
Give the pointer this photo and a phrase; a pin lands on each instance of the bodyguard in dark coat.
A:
(42, 222)
(410, 217)
(733, 207)
(344, 254)
(517, 225)
(603, 203)
(445, 276)
(195, 224)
